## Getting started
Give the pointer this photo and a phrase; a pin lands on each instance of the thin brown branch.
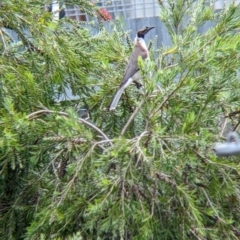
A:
(232, 114)
(40, 112)
(132, 117)
(166, 99)
(236, 127)
(165, 178)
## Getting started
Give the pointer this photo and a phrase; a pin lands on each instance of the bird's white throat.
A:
(141, 41)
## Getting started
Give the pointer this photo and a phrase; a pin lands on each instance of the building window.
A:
(75, 13)
(119, 8)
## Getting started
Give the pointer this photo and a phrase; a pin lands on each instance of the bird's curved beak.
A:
(147, 29)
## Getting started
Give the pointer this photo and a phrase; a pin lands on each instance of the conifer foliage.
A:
(144, 171)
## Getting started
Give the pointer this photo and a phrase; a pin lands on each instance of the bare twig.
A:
(35, 114)
(232, 114)
(211, 204)
(52, 163)
(193, 231)
(132, 117)
(166, 99)
(165, 178)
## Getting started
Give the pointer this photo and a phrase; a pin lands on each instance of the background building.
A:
(132, 9)
(120, 8)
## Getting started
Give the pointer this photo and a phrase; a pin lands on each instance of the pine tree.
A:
(144, 171)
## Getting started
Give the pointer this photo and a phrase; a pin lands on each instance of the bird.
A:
(132, 70)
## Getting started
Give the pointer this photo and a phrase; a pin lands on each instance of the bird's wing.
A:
(132, 66)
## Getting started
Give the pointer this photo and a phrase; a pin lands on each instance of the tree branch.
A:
(35, 114)
(132, 117)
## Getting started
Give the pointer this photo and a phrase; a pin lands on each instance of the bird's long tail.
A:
(119, 94)
(116, 98)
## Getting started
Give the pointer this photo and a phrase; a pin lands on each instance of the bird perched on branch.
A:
(132, 71)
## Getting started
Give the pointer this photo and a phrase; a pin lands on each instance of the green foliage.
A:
(144, 171)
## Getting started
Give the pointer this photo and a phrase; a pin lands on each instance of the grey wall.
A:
(134, 25)
(160, 30)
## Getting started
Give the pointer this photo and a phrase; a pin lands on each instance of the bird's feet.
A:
(138, 84)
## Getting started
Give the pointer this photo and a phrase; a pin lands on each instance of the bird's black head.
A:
(141, 33)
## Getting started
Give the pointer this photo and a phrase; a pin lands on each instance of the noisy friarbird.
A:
(132, 71)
